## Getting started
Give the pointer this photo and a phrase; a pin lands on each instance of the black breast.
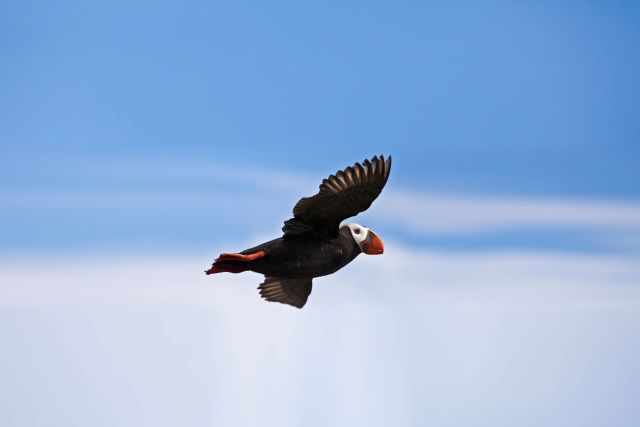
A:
(304, 257)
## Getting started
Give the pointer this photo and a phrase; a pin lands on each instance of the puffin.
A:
(314, 242)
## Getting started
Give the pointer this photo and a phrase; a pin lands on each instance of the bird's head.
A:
(366, 239)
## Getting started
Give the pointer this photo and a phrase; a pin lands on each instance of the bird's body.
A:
(304, 258)
(314, 244)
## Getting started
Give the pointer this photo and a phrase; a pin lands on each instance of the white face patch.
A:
(359, 233)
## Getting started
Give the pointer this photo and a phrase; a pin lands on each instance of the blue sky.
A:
(520, 100)
(148, 137)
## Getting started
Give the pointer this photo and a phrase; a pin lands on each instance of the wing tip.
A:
(379, 165)
(359, 173)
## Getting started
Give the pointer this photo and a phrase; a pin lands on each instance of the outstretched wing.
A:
(343, 195)
(286, 291)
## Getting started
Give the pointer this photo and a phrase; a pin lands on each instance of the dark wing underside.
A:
(343, 195)
(286, 291)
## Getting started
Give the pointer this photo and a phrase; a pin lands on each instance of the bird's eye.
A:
(357, 231)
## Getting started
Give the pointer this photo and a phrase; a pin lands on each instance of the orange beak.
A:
(373, 244)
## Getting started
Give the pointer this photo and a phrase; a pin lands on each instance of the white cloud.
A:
(451, 213)
(201, 185)
(179, 279)
(412, 337)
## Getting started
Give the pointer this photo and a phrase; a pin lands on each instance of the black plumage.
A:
(313, 242)
(342, 195)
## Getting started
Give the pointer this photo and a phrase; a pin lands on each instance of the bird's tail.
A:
(233, 263)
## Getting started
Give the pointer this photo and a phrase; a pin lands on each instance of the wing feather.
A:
(294, 292)
(341, 195)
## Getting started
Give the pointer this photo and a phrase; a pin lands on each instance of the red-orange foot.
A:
(240, 257)
(233, 263)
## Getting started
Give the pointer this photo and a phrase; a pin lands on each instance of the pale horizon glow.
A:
(410, 328)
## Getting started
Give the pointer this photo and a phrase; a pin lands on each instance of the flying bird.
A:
(313, 243)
